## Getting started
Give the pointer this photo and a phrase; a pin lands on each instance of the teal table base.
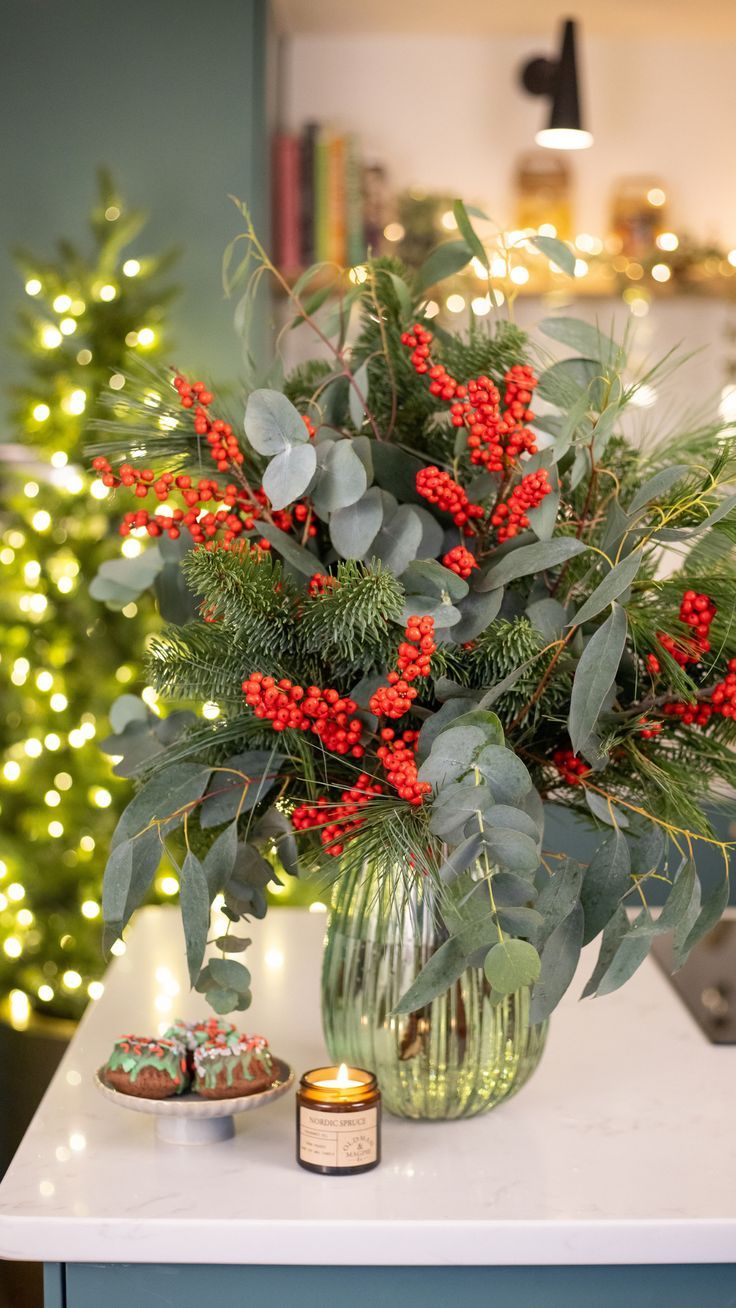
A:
(91, 1285)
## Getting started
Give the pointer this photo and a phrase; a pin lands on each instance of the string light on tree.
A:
(58, 795)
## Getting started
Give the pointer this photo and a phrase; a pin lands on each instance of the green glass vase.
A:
(459, 1055)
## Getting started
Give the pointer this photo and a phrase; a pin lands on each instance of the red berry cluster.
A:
(649, 729)
(324, 712)
(439, 488)
(571, 768)
(695, 714)
(461, 561)
(697, 612)
(495, 438)
(337, 820)
(414, 660)
(320, 582)
(219, 434)
(397, 756)
(241, 506)
(723, 698)
(510, 517)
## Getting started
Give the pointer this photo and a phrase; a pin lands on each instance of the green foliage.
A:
(537, 684)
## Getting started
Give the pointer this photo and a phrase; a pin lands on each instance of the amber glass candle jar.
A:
(338, 1121)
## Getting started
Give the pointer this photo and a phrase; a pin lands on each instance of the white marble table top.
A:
(622, 1148)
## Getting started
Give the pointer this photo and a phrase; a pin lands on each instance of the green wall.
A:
(169, 94)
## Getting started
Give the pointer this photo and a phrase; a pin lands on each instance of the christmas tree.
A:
(64, 657)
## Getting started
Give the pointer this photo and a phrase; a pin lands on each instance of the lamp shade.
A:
(558, 79)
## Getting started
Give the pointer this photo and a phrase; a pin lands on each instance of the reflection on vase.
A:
(459, 1055)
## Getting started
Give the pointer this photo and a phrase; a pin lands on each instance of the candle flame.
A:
(343, 1080)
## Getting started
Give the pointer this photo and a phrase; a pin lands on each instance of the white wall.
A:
(448, 114)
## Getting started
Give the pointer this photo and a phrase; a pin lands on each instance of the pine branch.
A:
(347, 625)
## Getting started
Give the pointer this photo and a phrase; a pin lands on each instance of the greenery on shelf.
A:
(425, 612)
(64, 658)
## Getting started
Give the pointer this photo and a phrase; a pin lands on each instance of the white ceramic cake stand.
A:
(190, 1119)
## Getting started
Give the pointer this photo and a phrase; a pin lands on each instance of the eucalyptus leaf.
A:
(505, 773)
(294, 554)
(711, 911)
(613, 584)
(444, 261)
(606, 881)
(629, 955)
(194, 899)
(288, 475)
(594, 676)
(452, 755)
(543, 518)
(658, 485)
(605, 810)
(581, 337)
(163, 799)
(559, 961)
(556, 252)
(437, 722)
(272, 424)
(610, 941)
(354, 529)
(548, 617)
(220, 859)
(511, 965)
(427, 576)
(469, 234)
(398, 540)
(460, 859)
(447, 963)
(476, 613)
(511, 848)
(229, 793)
(341, 480)
(529, 560)
(559, 894)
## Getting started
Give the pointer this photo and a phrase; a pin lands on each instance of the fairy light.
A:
(11, 770)
(84, 357)
(45, 994)
(41, 521)
(131, 547)
(146, 336)
(52, 798)
(519, 275)
(12, 947)
(63, 781)
(547, 229)
(20, 1009)
(65, 585)
(116, 382)
(667, 241)
(67, 326)
(431, 309)
(107, 292)
(30, 490)
(51, 337)
(130, 610)
(87, 843)
(661, 272)
(58, 702)
(77, 738)
(112, 212)
(41, 412)
(394, 232)
(656, 197)
(33, 747)
(131, 268)
(101, 797)
(15, 892)
(168, 885)
(448, 221)
(131, 338)
(118, 948)
(481, 305)
(74, 404)
(56, 829)
(582, 268)
(62, 303)
(210, 710)
(33, 286)
(95, 989)
(44, 680)
(7, 555)
(455, 303)
(59, 459)
(90, 909)
(71, 979)
(52, 741)
(358, 275)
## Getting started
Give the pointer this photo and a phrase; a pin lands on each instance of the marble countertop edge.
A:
(495, 1242)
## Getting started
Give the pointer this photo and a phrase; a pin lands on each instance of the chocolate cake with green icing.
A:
(148, 1068)
(193, 1034)
(226, 1069)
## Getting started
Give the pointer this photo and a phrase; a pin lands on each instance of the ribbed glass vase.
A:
(458, 1056)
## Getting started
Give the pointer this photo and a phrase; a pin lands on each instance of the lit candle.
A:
(338, 1121)
(340, 1082)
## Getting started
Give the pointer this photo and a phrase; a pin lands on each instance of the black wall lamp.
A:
(558, 80)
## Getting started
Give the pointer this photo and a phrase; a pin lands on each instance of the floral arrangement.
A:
(438, 588)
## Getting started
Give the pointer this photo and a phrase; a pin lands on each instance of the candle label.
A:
(338, 1139)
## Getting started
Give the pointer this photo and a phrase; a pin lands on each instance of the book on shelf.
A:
(319, 198)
